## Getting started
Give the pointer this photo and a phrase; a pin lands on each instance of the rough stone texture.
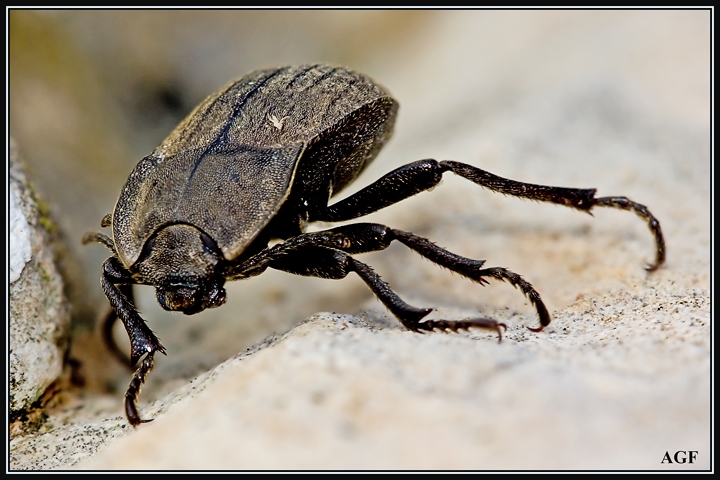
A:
(39, 312)
(617, 100)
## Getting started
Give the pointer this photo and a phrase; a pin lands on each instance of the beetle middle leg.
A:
(325, 254)
(324, 262)
(422, 175)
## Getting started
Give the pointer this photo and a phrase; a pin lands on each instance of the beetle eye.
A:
(209, 244)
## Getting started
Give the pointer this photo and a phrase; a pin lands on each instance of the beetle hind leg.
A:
(641, 211)
(579, 198)
(422, 175)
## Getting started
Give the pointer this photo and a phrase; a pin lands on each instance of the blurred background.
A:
(93, 91)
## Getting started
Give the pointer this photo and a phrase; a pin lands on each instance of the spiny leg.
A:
(117, 284)
(368, 237)
(317, 254)
(412, 322)
(133, 391)
(641, 211)
(470, 269)
(581, 199)
(320, 261)
(422, 175)
(109, 322)
(142, 340)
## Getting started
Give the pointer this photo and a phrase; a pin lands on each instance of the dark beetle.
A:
(258, 161)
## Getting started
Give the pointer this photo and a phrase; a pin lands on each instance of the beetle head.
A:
(182, 262)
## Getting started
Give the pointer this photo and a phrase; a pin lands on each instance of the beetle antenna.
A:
(99, 238)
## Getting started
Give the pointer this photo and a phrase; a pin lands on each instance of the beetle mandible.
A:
(258, 161)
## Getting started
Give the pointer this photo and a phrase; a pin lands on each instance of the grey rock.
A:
(39, 311)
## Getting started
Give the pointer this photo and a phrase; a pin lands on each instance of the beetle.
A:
(258, 161)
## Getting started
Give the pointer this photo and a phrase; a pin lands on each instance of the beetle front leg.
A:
(133, 390)
(142, 340)
(109, 322)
